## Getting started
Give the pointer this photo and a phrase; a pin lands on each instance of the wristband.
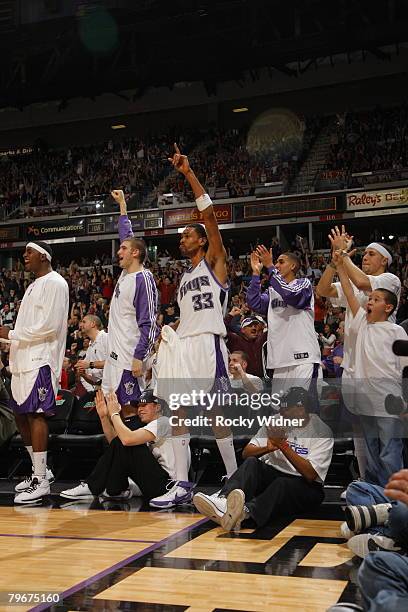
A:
(114, 414)
(203, 202)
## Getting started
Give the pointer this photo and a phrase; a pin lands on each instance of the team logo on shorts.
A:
(42, 393)
(129, 386)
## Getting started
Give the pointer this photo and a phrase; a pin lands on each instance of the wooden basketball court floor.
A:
(112, 556)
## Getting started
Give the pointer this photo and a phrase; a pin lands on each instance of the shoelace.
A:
(171, 484)
(34, 487)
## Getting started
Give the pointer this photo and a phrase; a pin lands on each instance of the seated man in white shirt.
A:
(91, 367)
(142, 454)
(282, 472)
(239, 378)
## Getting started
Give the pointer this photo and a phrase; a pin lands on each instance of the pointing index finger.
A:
(177, 150)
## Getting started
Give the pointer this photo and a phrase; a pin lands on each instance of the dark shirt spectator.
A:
(250, 339)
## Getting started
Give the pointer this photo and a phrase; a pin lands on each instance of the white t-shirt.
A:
(96, 351)
(381, 281)
(236, 383)
(377, 371)
(162, 447)
(313, 442)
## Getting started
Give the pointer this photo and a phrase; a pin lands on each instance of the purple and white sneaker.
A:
(178, 492)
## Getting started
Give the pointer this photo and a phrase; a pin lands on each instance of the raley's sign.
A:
(377, 199)
(183, 216)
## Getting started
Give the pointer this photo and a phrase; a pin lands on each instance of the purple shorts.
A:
(128, 389)
(41, 399)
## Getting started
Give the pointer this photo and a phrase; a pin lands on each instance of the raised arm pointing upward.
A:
(216, 254)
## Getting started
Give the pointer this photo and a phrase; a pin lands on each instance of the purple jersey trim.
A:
(124, 228)
(227, 287)
(256, 300)
(298, 293)
(146, 305)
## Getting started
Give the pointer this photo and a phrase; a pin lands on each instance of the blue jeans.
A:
(385, 446)
(383, 581)
(361, 493)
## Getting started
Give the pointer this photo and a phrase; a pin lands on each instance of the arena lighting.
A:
(243, 109)
(168, 195)
(118, 126)
(97, 205)
(391, 237)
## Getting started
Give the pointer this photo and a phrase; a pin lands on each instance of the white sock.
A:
(40, 465)
(30, 452)
(226, 448)
(181, 447)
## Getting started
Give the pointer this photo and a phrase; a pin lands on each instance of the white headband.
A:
(380, 249)
(37, 247)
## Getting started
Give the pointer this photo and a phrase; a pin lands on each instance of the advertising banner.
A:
(178, 217)
(57, 229)
(383, 198)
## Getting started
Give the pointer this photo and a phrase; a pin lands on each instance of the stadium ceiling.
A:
(60, 49)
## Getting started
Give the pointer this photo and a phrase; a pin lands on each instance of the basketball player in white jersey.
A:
(373, 275)
(36, 354)
(202, 298)
(293, 350)
(132, 328)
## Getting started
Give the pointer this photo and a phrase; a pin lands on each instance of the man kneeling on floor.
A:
(144, 455)
(283, 472)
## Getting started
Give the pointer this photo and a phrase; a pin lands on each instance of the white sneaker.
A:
(343, 494)
(364, 543)
(82, 491)
(26, 483)
(179, 492)
(235, 512)
(346, 532)
(214, 506)
(126, 494)
(35, 492)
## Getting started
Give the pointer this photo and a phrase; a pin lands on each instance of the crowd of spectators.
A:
(45, 181)
(226, 161)
(369, 141)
